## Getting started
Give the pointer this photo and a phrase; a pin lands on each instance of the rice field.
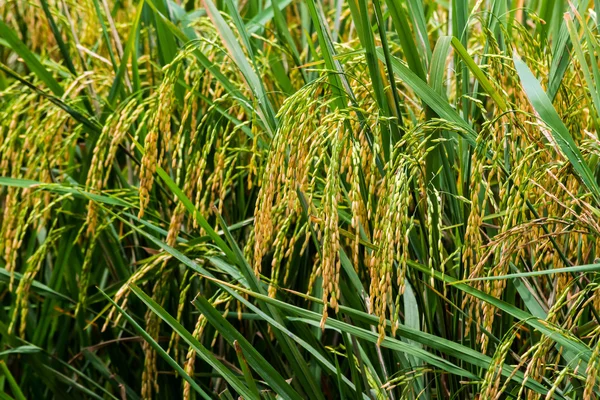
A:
(299, 199)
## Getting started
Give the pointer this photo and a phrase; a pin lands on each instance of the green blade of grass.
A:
(256, 360)
(263, 17)
(479, 74)
(14, 387)
(206, 355)
(267, 113)
(432, 98)
(406, 38)
(565, 270)
(245, 369)
(158, 348)
(438, 64)
(450, 348)
(582, 351)
(583, 62)
(287, 335)
(7, 277)
(30, 59)
(561, 48)
(543, 107)
(289, 348)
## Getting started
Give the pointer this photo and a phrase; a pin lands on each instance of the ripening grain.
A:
(299, 199)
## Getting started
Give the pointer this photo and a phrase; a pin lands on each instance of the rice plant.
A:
(299, 199)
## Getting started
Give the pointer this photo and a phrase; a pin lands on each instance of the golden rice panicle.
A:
(189, 112)
(166, 105)
(150, 373)
(402, 231)
(221, 158)
(536, 365)
(255, 164)
(596, 298)
(433, 203)
(490, 387)
(148, 168)
(175, 224)
(130, 114)
(95, 174)
(281, 245)
(473, 244)
(278, 184)
(121, 295)
(190, 359)
(330, 267)
(393, 251)
(201, 170)
(592, 372)
(472, 250)
(192, 186)
(153, 323)
(86, 271)
(18, 218)
(184, 288)
(263, 214)
(10, 223)
(558, 381)
(223, 166)
(160, 128)
(33, 266)
(191, 356)
(502, 252)
(567, 307)
(15, 136)
(380, 263)
(357, 206)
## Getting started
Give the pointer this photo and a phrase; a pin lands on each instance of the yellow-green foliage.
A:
(318, 199)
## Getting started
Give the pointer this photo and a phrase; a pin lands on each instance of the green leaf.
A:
(443, 345)
(30, 59)
(14, 387)
(432, 98)
(254, 358)
(26, 349)
(561, 337)
(543, 107)
(156, 346)
(564, 270)
(479, 74)
(206, 355)
(266, 114)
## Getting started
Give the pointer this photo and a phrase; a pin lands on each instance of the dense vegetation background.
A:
(299, 199)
